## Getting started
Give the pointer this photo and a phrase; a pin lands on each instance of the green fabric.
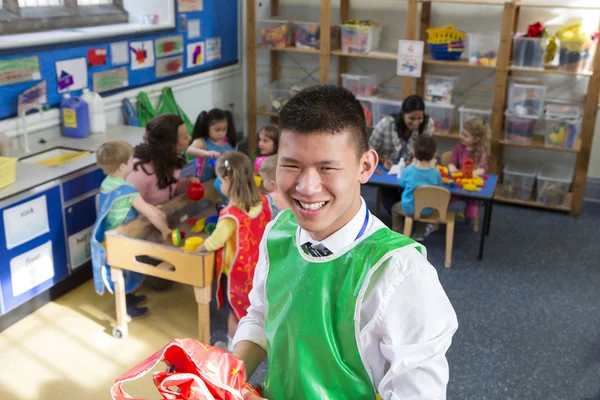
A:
(168, 105)
(309, 320)
(145, 109)
(121, 207)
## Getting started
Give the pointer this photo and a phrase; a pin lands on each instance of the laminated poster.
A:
(410, 58)
(142, 54)
(193, 29)
(119, 53)
(71, 74)
(112, 79)
(19, 70)
(169, 66)
(190, 5)
(195, 54)
(168, 46)
(213, 49)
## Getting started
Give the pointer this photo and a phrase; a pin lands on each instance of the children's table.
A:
(129, 247)
(381, 178)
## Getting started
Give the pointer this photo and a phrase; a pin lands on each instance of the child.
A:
(419, 173)
(474, 144)
(237, 235)
(267, 172)
(268, 143)
(214, 134)
(118, 204)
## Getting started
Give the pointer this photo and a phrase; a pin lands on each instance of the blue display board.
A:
(216, 47)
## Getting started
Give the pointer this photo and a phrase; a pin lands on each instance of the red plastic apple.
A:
(195, 191)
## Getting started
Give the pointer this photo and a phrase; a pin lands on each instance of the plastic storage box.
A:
(360, 39)
(529, 52)
(469, 111)
(308, 35)
(483, 49)
(562, 125)
(439, 88)
(278, 94)
(367, 105)
(576, 56)
(445, 43)
(384, 107)
(442, 114)
(526, 99)
(518, 181)
(276, 33)
(520, 129)
(361, 85)
(8, 171)
(553, 184)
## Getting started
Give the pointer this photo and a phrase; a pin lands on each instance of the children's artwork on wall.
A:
(18, 70)
(96, 57)
(112, 79)
(71, 74)
(169, 66)
(194, 29)
(119, 53)
(190, 5)
(182, 22)
(33, 97)
(168, 46)
(213, 49)
(142, 54)
(195, 54)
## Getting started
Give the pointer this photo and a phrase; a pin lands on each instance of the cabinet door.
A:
(32, 247)
(80, 218)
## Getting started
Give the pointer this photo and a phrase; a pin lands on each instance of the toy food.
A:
(199, 225)
(177, 237)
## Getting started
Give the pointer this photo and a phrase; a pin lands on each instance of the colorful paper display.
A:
(195, 54)
(142, 54)
(193, 29)
(190, 5)
(119, 53)
(71, 74)
(112, 79)
(213, 49)
(169, 66)
(19, 70)
(168, 46)
(97, 57)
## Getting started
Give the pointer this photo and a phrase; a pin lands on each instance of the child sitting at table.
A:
(119, 204)
(474, 144)
(268, 143)
(267, 172)
(419, 173)
(236, 237)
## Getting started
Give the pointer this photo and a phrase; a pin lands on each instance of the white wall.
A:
(475, 84)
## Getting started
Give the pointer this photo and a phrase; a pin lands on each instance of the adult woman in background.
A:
(394, 137)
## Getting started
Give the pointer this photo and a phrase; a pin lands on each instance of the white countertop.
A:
(32, 175)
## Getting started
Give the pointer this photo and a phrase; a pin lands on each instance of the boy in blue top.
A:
(421, 173)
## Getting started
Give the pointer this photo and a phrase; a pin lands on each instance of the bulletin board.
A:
(205, 38)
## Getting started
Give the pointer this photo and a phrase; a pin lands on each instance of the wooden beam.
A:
(425, 23)
(325, 41)
(343, 62)
(274, 64)
(412, 15)
(251, 98)
(500, 88)
(588, 124)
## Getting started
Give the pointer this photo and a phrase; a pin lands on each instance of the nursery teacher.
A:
(394, 137)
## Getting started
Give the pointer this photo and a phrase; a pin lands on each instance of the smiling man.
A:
(343, 307)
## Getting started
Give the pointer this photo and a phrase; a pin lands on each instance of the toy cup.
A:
(195, 191)
(177, 237)
(192, 243)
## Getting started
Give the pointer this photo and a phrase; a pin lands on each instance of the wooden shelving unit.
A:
(420, 10)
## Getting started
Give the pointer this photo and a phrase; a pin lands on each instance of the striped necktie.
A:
(320, 251)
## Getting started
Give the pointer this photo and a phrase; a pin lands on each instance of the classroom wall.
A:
(475, 84)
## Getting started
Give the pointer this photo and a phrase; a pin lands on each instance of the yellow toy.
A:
(257, 180)
(192, 243)
(456, 175)
(199, 225)
(470, 187)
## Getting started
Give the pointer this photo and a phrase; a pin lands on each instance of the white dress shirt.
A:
(406, 321)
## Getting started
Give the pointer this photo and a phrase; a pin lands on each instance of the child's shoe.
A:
(137, 312)
(431, 228)
(136, 301)
(225, 346)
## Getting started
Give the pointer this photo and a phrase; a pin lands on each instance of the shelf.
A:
(375, 56)
(453, 134)
(458, 63)
(549, 71)
(539, 143)
(468, 2)
(290, 49)
(529, 5)
(531, 203)
(263, 111)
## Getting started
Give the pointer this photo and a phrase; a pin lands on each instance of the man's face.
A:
(319, 175)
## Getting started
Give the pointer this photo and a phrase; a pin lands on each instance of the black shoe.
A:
(137, 313)
(136, 301)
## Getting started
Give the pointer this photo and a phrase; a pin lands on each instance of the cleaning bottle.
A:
(75, 118)
(96, 110)
(401, 166)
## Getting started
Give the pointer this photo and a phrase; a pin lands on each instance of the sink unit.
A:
(55, 157)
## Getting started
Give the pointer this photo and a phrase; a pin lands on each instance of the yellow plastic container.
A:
(8, 171)
(192, 243)
(444, 34)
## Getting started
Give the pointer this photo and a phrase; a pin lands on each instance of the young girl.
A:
(214, 134)
(267, 172)
(158, 161)
(474, 144)
(237, 235)
(268, 143)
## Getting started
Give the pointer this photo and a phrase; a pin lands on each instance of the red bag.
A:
(197, 370)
